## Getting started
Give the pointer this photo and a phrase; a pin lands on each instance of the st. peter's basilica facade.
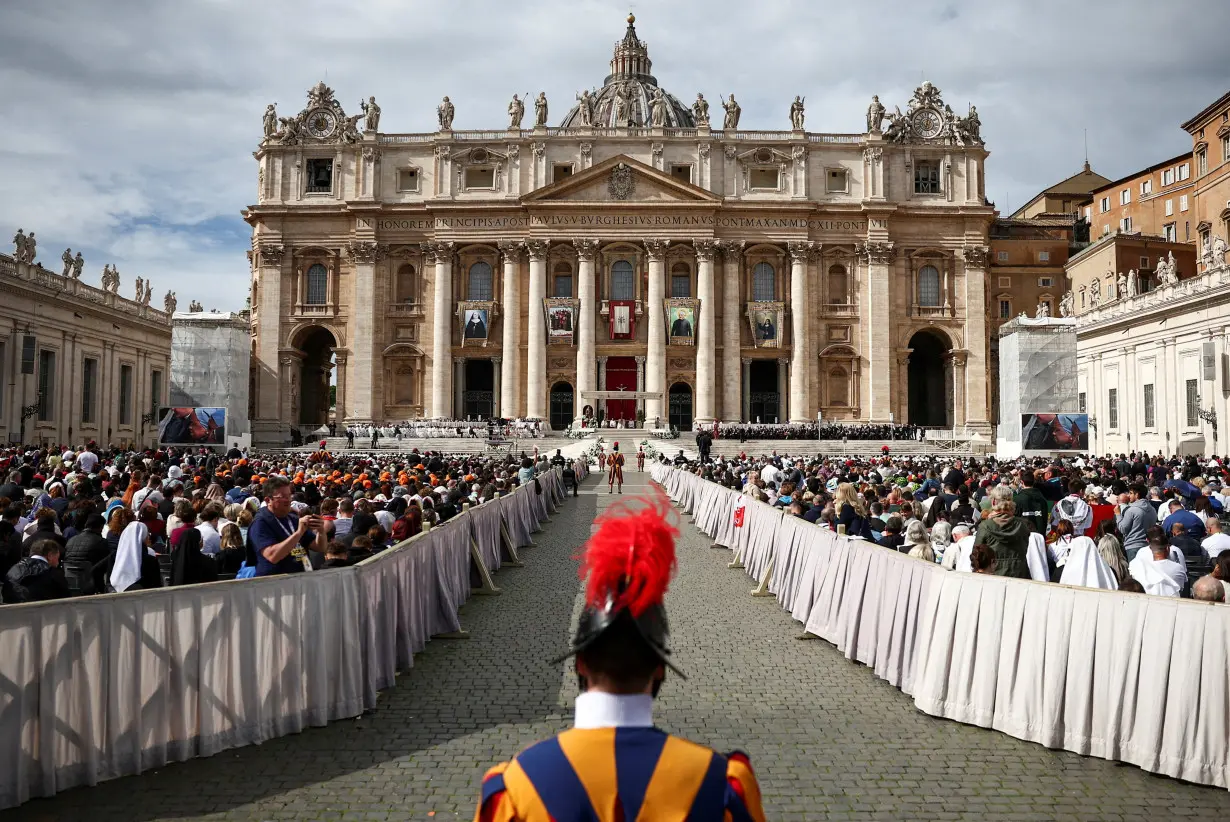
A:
(644, 257)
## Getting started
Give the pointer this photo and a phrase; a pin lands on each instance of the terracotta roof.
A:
(1083, 182)
(1194, 122)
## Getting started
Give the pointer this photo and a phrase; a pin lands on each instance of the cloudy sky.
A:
(130, 124)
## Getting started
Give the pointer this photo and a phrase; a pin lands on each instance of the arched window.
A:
(839, 286)
(480, 287)
(317, 285)
(764, 283)
(407, 291)
(563, 280)
(839, 387)
(929, 286)
(681, 280)
(623, 283)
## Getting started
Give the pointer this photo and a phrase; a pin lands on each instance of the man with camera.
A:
(280, 539)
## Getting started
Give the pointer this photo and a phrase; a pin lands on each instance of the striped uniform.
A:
(620, 774)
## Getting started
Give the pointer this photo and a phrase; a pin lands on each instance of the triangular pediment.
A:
(621, 179)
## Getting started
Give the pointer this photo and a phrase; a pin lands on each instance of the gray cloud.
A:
(132, 122)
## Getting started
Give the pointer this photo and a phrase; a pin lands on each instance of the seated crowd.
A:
(432, 429)
(744, 431)
(1131, 523)
(90, 521)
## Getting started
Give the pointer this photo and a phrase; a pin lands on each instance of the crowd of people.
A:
(1156, 525)
(744, 431)
(81, 521)
(492, 428)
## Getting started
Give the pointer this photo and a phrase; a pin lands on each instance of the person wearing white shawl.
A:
(959, 555)
(1035, 558)
(1156, 571)
(126, 572)
(1085, 566)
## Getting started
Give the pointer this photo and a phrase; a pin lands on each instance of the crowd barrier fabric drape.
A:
(99, 687)
(1135, 678)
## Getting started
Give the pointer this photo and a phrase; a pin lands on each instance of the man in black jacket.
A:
(37, 577)
(84, 552)
(44, 528)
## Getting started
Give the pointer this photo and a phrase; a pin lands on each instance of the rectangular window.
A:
(1225, 148)
(837, 181)
(1169, 207)
(46, 385)
(1149, 415)
(1146, 187)
(1087, 213)
(1005, 309)
(1144, 262)
(1001, 256)
(1046, 282)
(1185, 171)
(408, 179)
(1005, 282)
(1104, 205)
(681, 285)
(480, 177)
(1168, 232)
(1182, 202)
(1044, 256)
(1202, 163)
(125, 395)
(1112, 408)
(319, 176)
(563, 285)
(561, 171)
(763, 179)
(1125, 224)
(1125, 196)
(1193, 403)
(1168, 177)
(1105, 229)
(89, 389)
(1080, 403)
(926, 178)
(155, 390)
(682, 172)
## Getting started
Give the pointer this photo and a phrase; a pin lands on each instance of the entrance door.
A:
(679, 404)
(561, 406)
(478, 398)
(765, 399)
(928, 393)
(620, 376)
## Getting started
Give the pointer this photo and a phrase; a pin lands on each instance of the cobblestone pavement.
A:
(828, 739)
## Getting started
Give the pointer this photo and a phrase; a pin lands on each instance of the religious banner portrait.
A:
(623, 319)
(766, 321)
(561, 319)
(681, 320)
(475, 322)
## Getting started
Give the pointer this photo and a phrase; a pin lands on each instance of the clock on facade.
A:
(927, 123)
(321, 123)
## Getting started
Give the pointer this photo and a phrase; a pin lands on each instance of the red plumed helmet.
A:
(630, 559)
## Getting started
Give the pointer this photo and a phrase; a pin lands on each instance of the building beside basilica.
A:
(644, 256)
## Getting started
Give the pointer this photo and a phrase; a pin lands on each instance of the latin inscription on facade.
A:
(521, 221)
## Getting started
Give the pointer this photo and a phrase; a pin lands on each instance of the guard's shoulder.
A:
(742, 783)
(493, 805)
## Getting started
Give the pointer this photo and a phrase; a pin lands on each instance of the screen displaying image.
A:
(192, 426)
(1055, 432)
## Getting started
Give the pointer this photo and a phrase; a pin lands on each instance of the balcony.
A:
(931, 311)
(404, 310)
(839, 309)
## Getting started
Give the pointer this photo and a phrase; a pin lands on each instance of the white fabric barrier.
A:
(1128, 677)
(100, 687)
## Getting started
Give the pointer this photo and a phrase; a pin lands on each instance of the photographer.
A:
(276, 533)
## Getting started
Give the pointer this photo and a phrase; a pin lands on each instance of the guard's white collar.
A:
(599, 710)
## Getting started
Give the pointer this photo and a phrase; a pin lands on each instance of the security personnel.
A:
(614, 765)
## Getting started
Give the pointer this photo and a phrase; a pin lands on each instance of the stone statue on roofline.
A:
(444, 113)
(733, 111)
(371, 113)
(700, 111)
(1066, 304)
(540, 110)
(516, 113)
(875, 115)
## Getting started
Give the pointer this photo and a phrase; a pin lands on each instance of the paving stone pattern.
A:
(828, 740)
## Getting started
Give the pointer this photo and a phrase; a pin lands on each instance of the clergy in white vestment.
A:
(1085, 566)
(959, 556)
(1035, 558)
(1156, 571)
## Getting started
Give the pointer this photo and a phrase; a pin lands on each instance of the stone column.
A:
(877, 296)
(800, 327)
(341, 408)
(364, 254)
(976, 341)
(959, 409)
(655, 364)
(459, 387)
(510, 382)
(497, 374)
(745, 410)
(903, 382)
(586, 363)
(640, 381)
(442, 333)
(269, 326)
(733, 409)
(536, 348)
(784, 381)
(706, 334)
(602, 384)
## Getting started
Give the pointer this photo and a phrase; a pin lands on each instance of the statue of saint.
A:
(540, 110)
(271, 120)
(149, 292)
(1133, 283)
(1043, 311)
(1219, 251)
(796, 113)
(140, 289)
(372, 114)
(19, 246)
(657, 109)
(516, 113)
(619, 108)
(1121, 285)
(1065, 305)
(169, 302)
(444, 113)
(67, 257)
(875, 115)
(585, 108)
(731, 121)
(78, 264)
(700, 111)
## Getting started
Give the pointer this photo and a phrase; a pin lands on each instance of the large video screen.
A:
(1054, 432)
(192, 426)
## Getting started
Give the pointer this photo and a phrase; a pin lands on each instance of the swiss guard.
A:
(614, 765)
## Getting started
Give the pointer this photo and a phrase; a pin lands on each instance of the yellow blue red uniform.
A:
(620, 775)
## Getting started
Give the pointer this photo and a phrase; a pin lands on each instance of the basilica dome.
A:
(627, 92)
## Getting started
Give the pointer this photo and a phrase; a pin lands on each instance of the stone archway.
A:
(315, 345)
(928, 379)
(562, 405)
